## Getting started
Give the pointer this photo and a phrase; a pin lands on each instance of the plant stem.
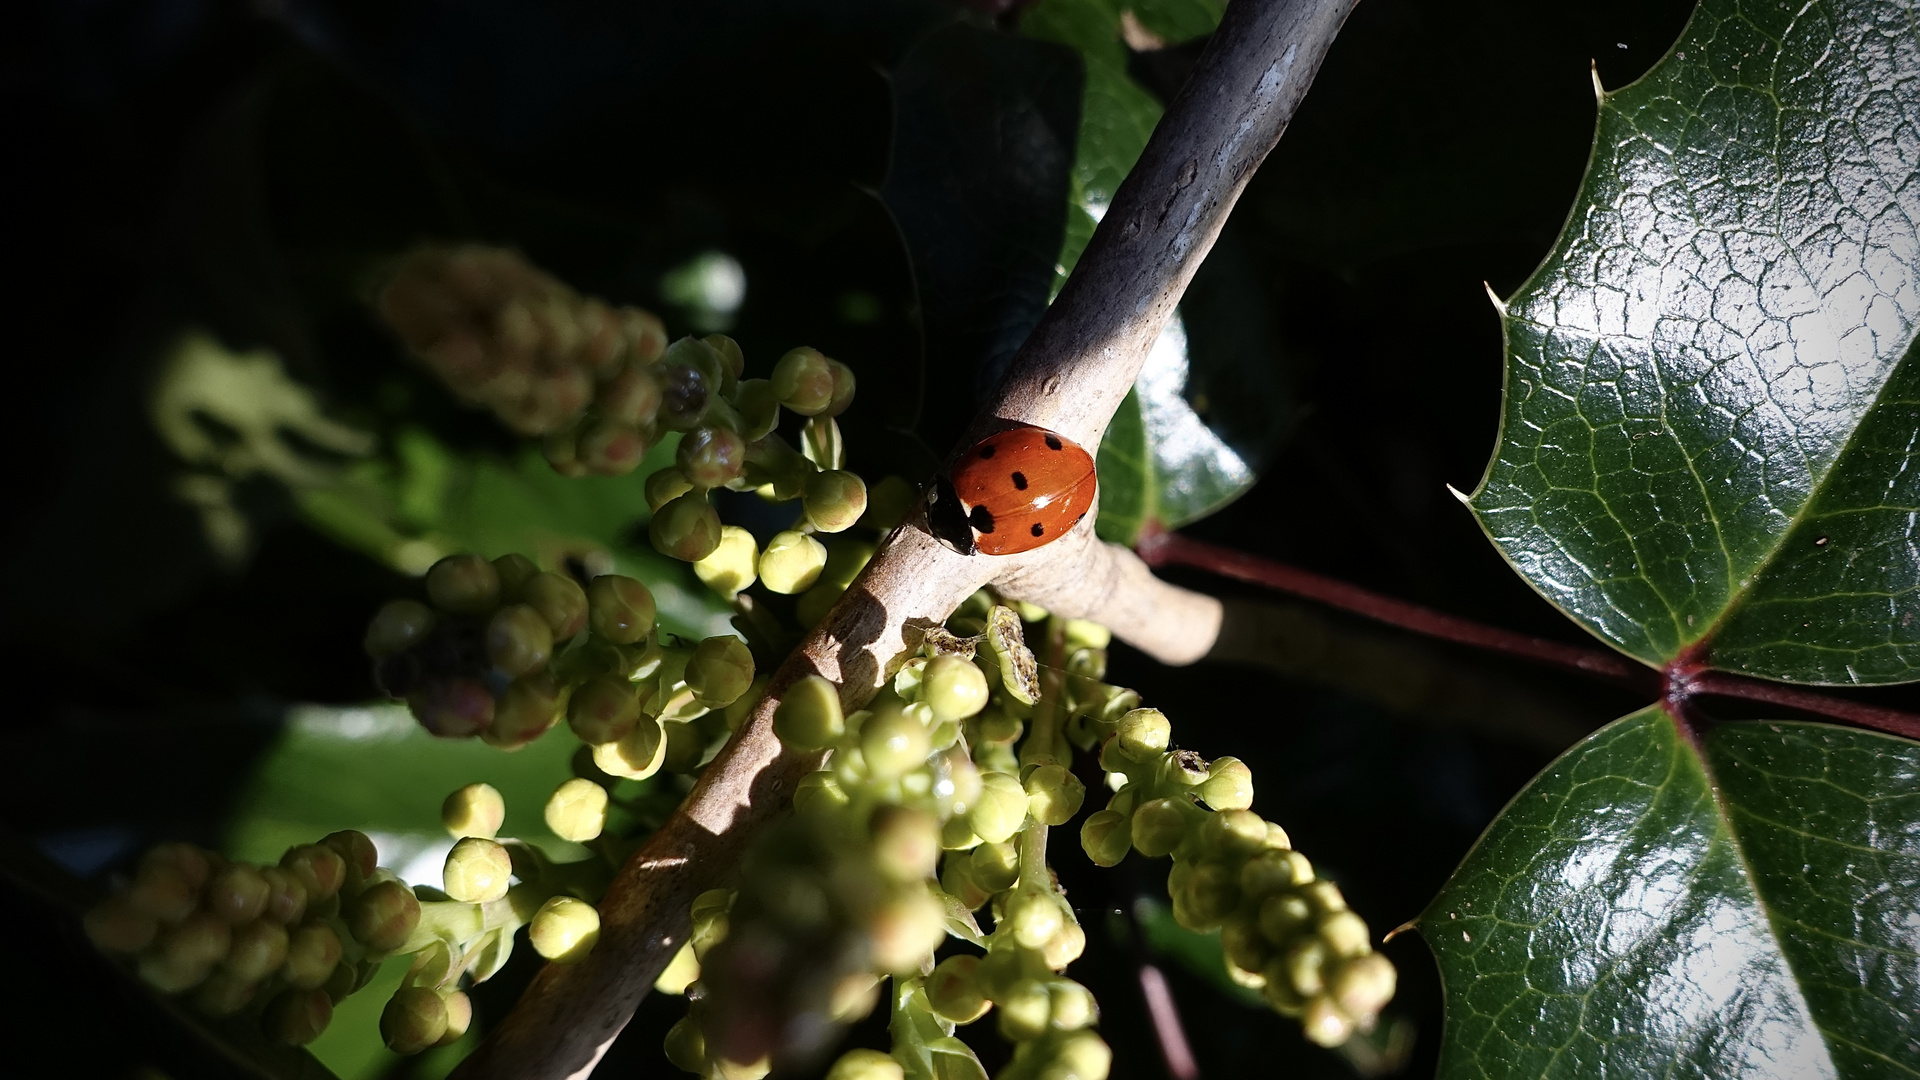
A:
(1172, 549)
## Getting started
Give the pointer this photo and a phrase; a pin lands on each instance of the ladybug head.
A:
(947, 519)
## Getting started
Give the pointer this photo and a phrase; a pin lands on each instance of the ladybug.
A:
(1012, 492)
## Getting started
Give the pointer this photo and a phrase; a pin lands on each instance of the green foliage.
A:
(1711, 388)
(1742, 904)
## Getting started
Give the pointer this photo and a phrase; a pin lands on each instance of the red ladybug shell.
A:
(1013, 492)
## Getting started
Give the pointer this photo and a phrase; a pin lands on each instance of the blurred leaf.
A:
(1711, 389)
(977, 183)
(1743, 902)
(1199, 953)
(425, 502)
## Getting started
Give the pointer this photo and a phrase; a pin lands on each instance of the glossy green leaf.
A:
(1743, 905)
(424, 501)
(1711, 397)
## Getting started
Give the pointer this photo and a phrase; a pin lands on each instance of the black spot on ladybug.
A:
(1053, 442)
(1039, 530)
(986, 452)
(981, 519)
(1020, 481)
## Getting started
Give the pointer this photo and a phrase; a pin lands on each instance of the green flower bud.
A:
(1001, 970)
(711, 918)
(803, 381)
(732, 566)
(843, 388)
(1084, 1056)
(995, 866)
(560, 601)
(906, 843)
(619, 608)
(238, 894)
(808, 717)
(476, 871)
(223, 994)
(1233, 834)
(1345, 934)
(474, 810)
(257, 950)
(298, 1016)
(1182, 767)
(186, 953)
(1212, 891)
(319, 870)
(383, 916)
(1363, 986)
(515, 571)
(603, 709)
(1158, 827)
(664, 486)
(905, 929)
(528, 708)
(1267, 871)
(358, 852)
(1229, 785)
(456, 708)
(719, 671)
(118, 925)
(1113, 758)
(732, 360)
(888, 501)
(632, 396)
(1277, 837)
(608, 447)
(1064, 947)
(312, 953)
(1025, 1010)
(1073, 1005)
(834, 500)
(893, 740)
(686, 1047)
(1324, 1024)
(287, 900)
(1034, 916)
(562, 451)
(953, 688)
(866, 1065)
(413, 1020)
(686, 528)
(1106, 837)
(636, 755)
(164, 891)
(564, 930)
(1054, 794)
(1001, 809)
(1306, 961)
(1284, 917)
(759, 410)
(953, 989)
(682, 971)
(1324, 896)
(957, 835)
(711, 457)
(792, 562)
(397, 627)
(459, 1016)
(464, 585)
(819, 793)
(1143, 734)
(956, 879)
(577, 810)
(519, 640)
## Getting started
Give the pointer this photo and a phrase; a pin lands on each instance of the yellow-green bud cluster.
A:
(506, 335)
(283, 942)
(1285, 931)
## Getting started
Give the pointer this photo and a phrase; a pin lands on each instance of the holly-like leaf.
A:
(1712, 394)
(1743, 901)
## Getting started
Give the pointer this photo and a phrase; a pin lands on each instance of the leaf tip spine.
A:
(1465, 500)
(1599, 92)
(1499, 305)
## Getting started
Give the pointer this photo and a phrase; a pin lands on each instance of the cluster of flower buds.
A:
(504, 651)
(506, 335)
(1284, 930)
(281, 942)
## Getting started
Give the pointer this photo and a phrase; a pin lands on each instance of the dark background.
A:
(237, 166)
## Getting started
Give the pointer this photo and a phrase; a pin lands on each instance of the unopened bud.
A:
(1106, 837)
(464, 585)
(564, 930)
(1144, 733)
(603, 709)
(1054, 794)
(1324, 1024)
(803, 381)
(792, 562)
(866, 1065)
(619, 608)
(1064, 947)
(358, 851)
(258, 949)
(954, 990)
(686, 1047)
(844, 386)
(686, 528)
(905, 929)
(223, 994)
(1035, 916)
(519, 641)
(1073, 1005)
(287, 901)
(664, 486)
(383, 916)
(1024, 1010)
(953, 688)
(528, 708)
(453, 708)
(413, 1020)
(809, 717)
(834, 500)
(995, 866)
(477, 870)
(1233, 833)
(710, 457)
(312, 953)
(682, 971)
(906, 843)
(186, 953)
(1001, 809)
(515, 571)
(397, 627)
(733, 565)
(459, 1016)
(1345, 934)
(1363, 986)
(474, 810)
(1228, 786)
(1284, 916)
(319, 870)
(560, 601)
(1158, 827)
(719, 671)
(636, 755)
(164, 891)
(577, 810)
(893, 740)
(1084, 1056)
(297, 1017)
